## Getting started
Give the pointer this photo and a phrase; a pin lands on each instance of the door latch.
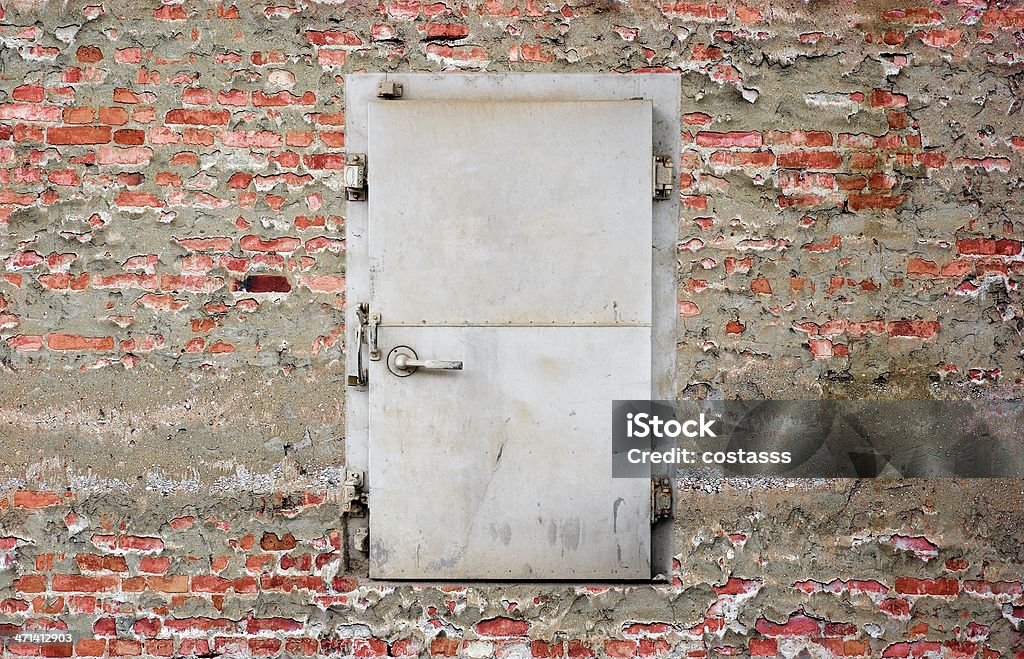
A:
(355, 177)
(359, 378)
(661, 498)
(664, 178)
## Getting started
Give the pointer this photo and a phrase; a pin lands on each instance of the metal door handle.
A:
(402, 361)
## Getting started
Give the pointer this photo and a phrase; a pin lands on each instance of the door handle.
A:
(403, 361)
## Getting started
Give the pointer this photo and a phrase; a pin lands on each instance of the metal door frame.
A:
(662, 89)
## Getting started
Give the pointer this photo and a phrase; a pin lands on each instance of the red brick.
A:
(812, 138)
(97, 563)
(260, 99)
(196, 96)
(441, 646)
(257, 244)
(861, 202)
(886, 99)
(433, 30)
(147, 627)
(809, 160)
(79, 135)
(233, 98)
(502, 626)
(744, 139)
(274, 542)
(210, 244)
(80, 584)
(154, 564)
(333, 38)
(260, 139)
(30, 583)
(140, 543)
(921, 267)
(77, 342)
(26, 342)
(122, 647)
(257, 625)
(113, 116)
(369, 647)
(91, 647)
(763, 647)
(198, 117)
(695, 11)
(201, 624)
(30, 112)
(34, 499)
(545, 649)
(989, 247)
(138, 200)
(129, 137)
(797, 625)
(323, 283)
(619, 648)
(937, 587)
(324, 161)
(578, 649)
(29, 93)
(89, 54)
(755, 159)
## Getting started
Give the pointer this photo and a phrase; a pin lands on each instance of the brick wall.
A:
(172, 289)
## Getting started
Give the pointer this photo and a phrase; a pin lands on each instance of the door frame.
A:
(662, 89)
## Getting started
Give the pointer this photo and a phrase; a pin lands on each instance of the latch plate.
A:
(371, 337)
(355, 177)
(664, 178)
(661, 498)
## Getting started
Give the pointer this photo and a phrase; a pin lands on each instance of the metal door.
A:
(514, 237)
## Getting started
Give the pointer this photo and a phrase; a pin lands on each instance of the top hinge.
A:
(388, 89)
(664, 177)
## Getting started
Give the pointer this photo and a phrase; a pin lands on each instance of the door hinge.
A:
(664, 177)
(353, 501)
(389, 89)
(355, 177)
(661, 498)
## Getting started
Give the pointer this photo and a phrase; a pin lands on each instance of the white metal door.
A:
(516, 238)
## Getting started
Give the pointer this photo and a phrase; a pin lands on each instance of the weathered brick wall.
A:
(172, 288)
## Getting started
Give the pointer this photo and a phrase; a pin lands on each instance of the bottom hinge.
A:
(661, 498)
(354, 176)
(353, 501)
(664, 177)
